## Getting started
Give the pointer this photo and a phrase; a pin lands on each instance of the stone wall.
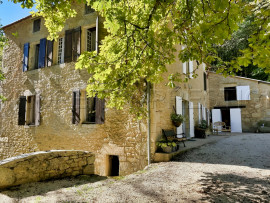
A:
(120, 135)
(39, 166)
(255, 109)
(163, 99)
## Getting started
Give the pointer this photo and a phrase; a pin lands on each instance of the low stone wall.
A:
(45, 165)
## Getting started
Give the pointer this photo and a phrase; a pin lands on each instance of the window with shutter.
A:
(21, 116)
(36, 25)
(72, 44)
(49, 58)
(92, 109)
(29, 110)
(25, 56)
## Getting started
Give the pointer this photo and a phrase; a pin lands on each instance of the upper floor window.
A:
(91, 39)
(204, 81)
(60, 57)
(88, 9)
(237, 93)
(36, 25)
(230, 93)
(72, 44)
(36, 56)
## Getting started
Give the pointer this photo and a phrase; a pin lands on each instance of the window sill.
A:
(87, 123)
(28, 126)
(33, 71)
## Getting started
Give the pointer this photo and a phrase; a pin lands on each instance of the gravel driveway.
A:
(234, 169)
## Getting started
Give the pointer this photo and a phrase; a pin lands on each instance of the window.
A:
(36, 25)
(204, 81)
(60, 58)
(91, 39)
(36, 56)
(29, 110)
(72, 44)
(230, 93)
(87, 109)
(88, 9)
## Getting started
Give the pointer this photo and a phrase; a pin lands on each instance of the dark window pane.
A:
(205, 81)
(36, 56)
(91, 109)
(36, 25)
(91, 39)
(230, 93)
(88, 9)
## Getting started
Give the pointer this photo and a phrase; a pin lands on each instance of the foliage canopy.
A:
(143, 34)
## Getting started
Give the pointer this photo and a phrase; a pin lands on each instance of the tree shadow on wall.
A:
(43, 187)
(234, 188)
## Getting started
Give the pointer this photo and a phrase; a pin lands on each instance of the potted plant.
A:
(200, 129)
(167, 146)
(177, 119)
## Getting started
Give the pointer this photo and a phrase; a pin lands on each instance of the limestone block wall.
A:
(120, 135)
(255, 109)
(163, 99)
(39, 166)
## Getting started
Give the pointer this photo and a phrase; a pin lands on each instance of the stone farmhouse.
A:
(47, 107)
(239, 102)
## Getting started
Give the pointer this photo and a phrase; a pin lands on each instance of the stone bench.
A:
(44, 165)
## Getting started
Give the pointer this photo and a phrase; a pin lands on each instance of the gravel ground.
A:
(234, 169)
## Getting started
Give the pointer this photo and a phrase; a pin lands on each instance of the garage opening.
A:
(114, 165)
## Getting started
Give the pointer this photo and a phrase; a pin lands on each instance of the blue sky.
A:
(10, 12)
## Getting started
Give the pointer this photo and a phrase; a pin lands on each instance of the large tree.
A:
(143, 34)
(232, 48)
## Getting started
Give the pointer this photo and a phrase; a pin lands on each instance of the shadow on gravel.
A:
(234, 188)
(41, 188)
(251, 150)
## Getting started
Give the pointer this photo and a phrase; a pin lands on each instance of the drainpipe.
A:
(148, 125)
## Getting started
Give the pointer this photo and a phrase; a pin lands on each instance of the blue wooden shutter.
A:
(42, 53)
(25, 56)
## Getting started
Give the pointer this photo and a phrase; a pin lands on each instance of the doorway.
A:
(113, 165)
(225, 114)
(231, 116)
